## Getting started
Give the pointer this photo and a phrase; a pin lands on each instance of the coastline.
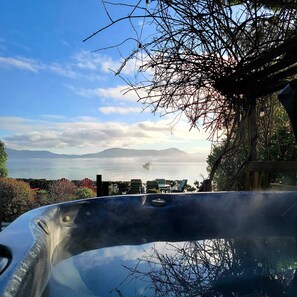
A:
(107, 188)
(111, 170)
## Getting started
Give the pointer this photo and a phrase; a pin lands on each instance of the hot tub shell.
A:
(28, 244)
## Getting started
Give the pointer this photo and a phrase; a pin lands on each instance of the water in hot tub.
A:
(261, 266)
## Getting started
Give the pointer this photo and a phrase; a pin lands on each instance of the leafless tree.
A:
(209, 59)
(62, 190)
(219, 267)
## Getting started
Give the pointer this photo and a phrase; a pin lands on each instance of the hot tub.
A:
(202, 244)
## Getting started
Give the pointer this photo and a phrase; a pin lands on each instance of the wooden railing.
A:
(258, 174)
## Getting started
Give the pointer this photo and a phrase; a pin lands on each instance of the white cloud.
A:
(116, 93)
(60, 70)
(20, 125)
(96, 61)
(86, 60)
(21, 63)
(89, 135)
(56, 117)
(35, 66)
(107, 64)
(119, 110)
(71, 69)
(84, 64)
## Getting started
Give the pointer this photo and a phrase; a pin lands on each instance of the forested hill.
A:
(171, 154)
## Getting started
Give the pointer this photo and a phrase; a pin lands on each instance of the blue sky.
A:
(58, 94)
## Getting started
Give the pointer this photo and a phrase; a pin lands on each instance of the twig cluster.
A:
(217, 267)
(204, 58)
(209, 59)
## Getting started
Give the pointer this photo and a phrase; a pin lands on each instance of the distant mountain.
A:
(131, 153)
(167, 155)
(16, 154)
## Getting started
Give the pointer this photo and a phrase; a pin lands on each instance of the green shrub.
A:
(16, 198)
(43, 198)
(84, 193)
(3, 159)
(41, 193)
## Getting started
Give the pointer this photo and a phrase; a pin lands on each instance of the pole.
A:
(252, 129)
(251, 177)
(99, 185)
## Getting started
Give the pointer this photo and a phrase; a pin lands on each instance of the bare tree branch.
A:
(208, 58)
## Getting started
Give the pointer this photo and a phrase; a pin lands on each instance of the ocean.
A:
(116, 169)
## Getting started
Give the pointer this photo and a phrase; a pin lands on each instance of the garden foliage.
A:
(3, 158)
(62, 190)
(16, 198)
(83, 193)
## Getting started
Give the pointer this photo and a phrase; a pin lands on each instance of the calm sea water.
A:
(119, 169)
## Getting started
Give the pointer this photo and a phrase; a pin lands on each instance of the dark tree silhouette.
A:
(220, 267)
(210, 60)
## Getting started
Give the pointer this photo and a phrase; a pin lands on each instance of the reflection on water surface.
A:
(261, 266)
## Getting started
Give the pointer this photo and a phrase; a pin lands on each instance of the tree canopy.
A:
(205, 58)
(3, 158)
(214, 61)
(276, 142)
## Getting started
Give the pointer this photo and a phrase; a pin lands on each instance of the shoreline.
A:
(113, 187)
